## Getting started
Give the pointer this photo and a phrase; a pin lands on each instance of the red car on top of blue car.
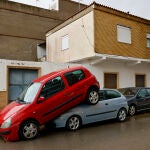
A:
(46, 98)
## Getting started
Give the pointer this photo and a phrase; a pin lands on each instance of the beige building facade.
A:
(114, 43)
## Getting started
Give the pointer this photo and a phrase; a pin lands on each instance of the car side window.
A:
(148, 92)
(142, 93)
(74, 76)
(52, 86)
(112, 94)
(102, 95)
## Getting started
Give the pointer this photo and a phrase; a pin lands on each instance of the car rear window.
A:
(128, 91)
(112, 94)
(109, 94)
(74, 76)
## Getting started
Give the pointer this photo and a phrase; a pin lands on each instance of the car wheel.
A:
(73, 123)
(132, 110)
(29, 130)
(122, 114)
(93, 96)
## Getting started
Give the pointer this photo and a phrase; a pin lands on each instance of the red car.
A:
(46, 98)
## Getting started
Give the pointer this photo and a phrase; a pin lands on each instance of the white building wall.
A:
(45, 67)
(81, 29)
(126, 72)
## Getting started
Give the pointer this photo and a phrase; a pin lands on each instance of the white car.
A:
(112, 104)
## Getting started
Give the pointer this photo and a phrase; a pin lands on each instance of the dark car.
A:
(138, 98)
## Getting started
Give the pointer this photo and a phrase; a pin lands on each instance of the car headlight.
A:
(7, 123)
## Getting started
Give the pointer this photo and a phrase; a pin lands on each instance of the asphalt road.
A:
(134, 134)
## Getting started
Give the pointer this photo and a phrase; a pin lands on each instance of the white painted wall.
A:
(81, 29)
(45, 68)
(125, 71)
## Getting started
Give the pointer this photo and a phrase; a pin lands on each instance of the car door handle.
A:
(67, 93)
(106, 103)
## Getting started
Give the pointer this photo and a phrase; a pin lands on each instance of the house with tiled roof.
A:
(115, 44)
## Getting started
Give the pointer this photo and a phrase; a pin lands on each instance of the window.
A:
(65, 42)
(142, 93)
(148, 40)
(139, 80)
(53, 86)
(112, 94)
(128, 91)
(102, 95)
(74, 76)
(123, 34)
(110, 80)
(109, 94)
(148, 92)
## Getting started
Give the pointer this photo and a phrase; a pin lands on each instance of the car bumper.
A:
(4, 132)
(9, 134)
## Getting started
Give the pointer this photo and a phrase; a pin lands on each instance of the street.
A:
(134, 134)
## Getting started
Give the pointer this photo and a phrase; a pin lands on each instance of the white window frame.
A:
(65, 42)
(123, 34)
(148, 40)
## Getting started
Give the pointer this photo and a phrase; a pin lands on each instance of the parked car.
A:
(46, 98)
(112, 104)
(138, 98)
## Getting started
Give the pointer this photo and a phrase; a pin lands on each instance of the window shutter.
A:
(123, 34)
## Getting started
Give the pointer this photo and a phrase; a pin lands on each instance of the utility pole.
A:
(79, 4)
(37, 2)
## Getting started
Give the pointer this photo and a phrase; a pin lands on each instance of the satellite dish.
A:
(54, 5)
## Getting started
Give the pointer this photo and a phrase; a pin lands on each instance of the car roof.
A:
(57, 73)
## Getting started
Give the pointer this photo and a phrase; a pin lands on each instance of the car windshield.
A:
(28, 94)
(128, 91)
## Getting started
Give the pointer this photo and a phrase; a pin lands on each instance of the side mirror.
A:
(41, 99)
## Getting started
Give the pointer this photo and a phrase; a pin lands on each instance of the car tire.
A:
(73, 123)
(132, 110)
(122, 114)
(92, 96)
(29, 130)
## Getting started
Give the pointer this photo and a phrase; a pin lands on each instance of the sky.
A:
(135, 7)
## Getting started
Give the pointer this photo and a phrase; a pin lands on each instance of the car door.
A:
(142, 99)
(112, 103)
(55, 98)
(103, 110)
(76, 86)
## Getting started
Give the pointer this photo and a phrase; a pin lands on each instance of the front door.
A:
(18, 80)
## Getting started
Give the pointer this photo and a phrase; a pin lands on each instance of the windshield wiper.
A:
(20, 101)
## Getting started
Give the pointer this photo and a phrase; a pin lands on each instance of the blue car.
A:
(112, 104)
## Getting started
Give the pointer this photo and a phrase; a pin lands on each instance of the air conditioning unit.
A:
(54, 5)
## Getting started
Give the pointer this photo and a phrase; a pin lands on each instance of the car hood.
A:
(10, 110)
